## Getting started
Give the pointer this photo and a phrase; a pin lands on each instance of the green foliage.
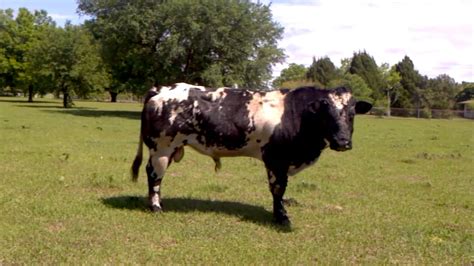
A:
(16, 38)
(402, 195)
(38, 57)
(207, 42)
(6, 44)
(359, 88)
(322, 71)
(365, 66)
(71, 63)
(399, 86)
(391, 85)
(411, 81)
(441, 92)
(467, 93)
(292, 73)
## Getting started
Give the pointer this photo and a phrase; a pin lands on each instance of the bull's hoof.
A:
(283, 221)
(154, 208)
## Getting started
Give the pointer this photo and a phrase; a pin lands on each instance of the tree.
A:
(17, 38)
(391, 84)
(208, 42)
(412, 83)
(68, 59)
(293, 72)
(365, 66)
(466, 93)
(345, 65)
(322, 71)
(6, 46)
(441, 92)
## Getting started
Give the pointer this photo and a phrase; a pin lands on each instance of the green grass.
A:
(403, 195)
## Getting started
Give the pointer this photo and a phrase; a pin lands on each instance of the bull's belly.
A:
(252, 147)
(217, 152)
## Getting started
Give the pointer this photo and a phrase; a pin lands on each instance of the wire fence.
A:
(423, 113)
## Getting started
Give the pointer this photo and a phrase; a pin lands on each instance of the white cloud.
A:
(61, 16)
(437, 35)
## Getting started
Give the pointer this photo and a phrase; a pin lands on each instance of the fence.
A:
(423, 113)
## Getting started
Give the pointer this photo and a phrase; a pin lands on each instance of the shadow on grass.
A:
(40, 105)
(245, 212)
(19, 100)
(89, 112)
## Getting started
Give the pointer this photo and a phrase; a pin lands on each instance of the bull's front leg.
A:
(277, 184)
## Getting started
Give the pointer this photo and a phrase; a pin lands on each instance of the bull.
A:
(286, 129)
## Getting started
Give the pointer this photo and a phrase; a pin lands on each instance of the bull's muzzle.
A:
(341, 145)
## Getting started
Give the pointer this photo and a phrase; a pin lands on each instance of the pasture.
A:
(404, 194)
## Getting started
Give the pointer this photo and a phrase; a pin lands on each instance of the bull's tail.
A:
(138, 160)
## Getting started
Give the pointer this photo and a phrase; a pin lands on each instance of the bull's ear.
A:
(362, 107)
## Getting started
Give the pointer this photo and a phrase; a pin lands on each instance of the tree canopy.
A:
(18, 36)
(364, 65)
(292, 72)
(322, 71)
(39, 57)
(207, 42)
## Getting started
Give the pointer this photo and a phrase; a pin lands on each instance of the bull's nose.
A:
(345, 145)
(348, 145)
(344, 142)
(341, 145)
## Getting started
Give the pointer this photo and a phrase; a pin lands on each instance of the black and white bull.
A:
(285, 129)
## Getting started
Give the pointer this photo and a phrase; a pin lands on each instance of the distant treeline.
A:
(128, 46)
(397, 86)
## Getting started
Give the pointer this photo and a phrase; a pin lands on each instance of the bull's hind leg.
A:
(277, 183)
(155, 170)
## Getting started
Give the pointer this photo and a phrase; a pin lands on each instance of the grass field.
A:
(403, 195)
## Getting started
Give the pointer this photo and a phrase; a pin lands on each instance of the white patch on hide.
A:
(265, 113)
(339, 101)
(179, 92)
(155, 200)
(175, 113)
(218, 94)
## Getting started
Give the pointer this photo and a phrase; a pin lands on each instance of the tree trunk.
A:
(113, 96)
(67, 101)
(30, 93)
(65, 96)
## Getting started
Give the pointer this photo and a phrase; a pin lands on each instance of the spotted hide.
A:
(285, 129)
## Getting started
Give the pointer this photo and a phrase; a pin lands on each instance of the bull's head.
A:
(336, 112)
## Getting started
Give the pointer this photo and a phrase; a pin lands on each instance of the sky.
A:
(436, 34)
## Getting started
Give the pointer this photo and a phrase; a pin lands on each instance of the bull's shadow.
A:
(89, 112)
(246, 212)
